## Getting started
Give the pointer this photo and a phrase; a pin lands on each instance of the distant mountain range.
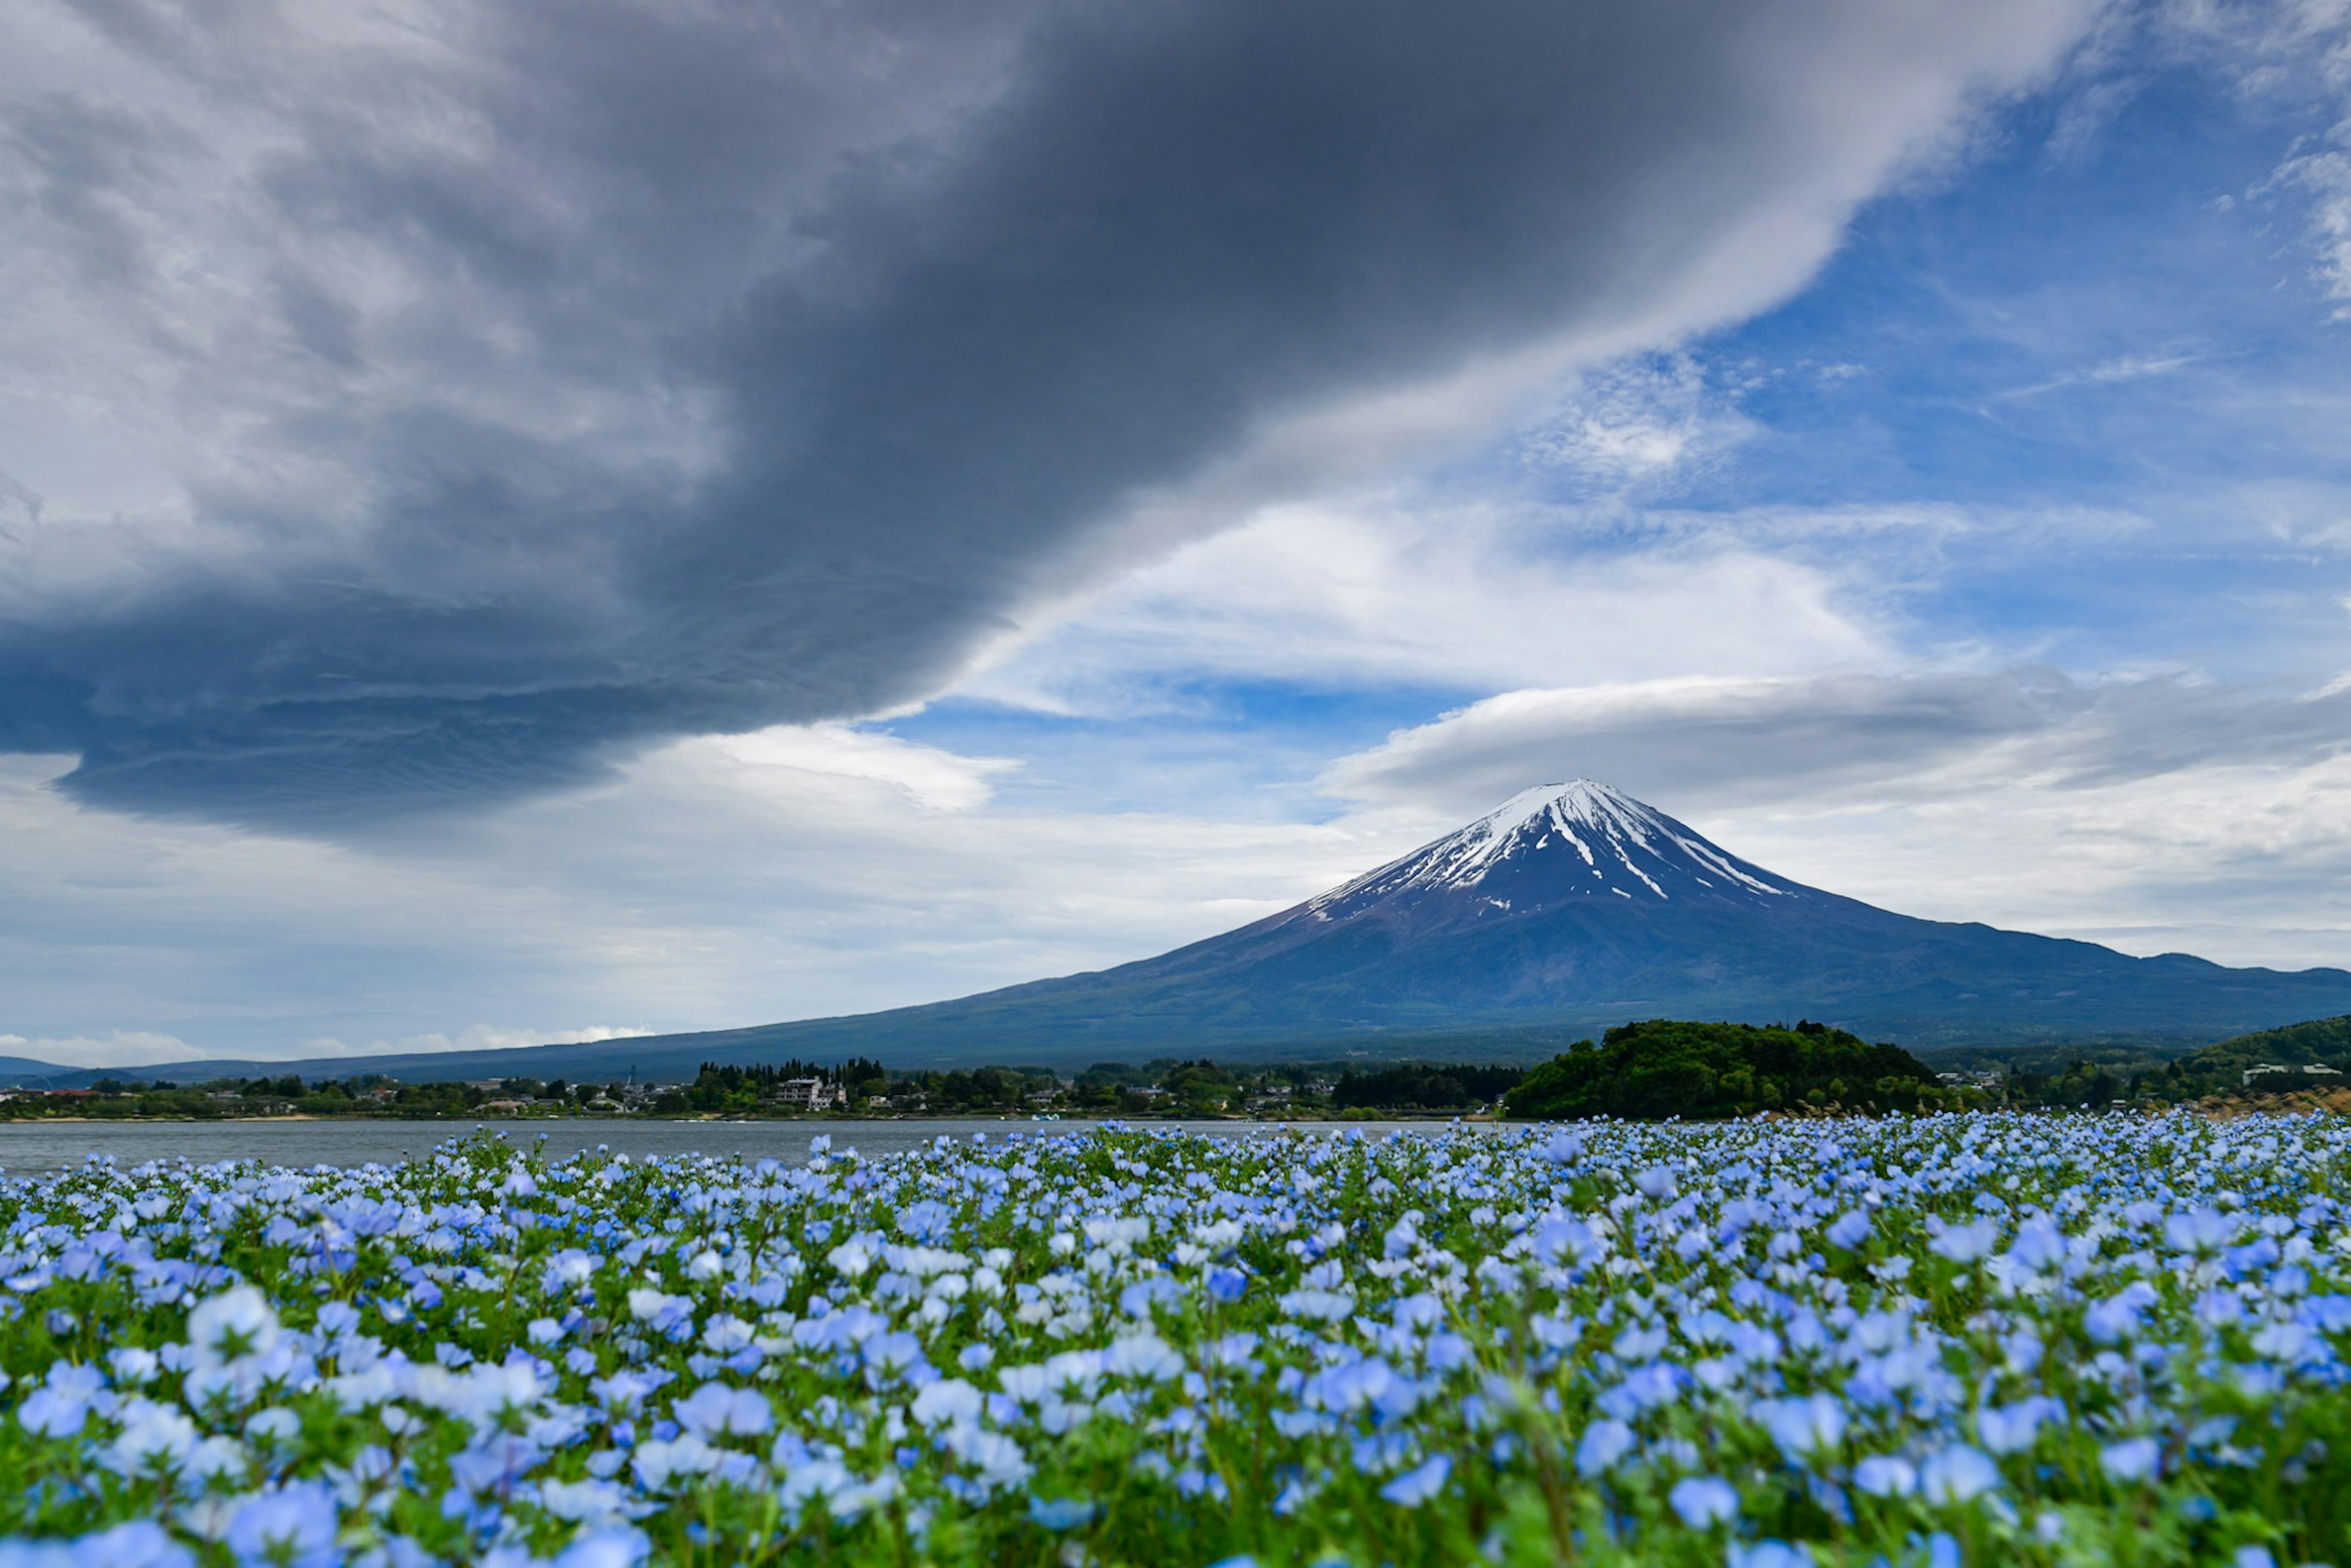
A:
(1566, 910)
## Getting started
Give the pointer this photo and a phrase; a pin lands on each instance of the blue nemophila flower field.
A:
(1958, 1339)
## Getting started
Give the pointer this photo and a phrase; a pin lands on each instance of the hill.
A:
(2221, 1068)
(1565, 911)
(25, 1073)
(1663, 1068)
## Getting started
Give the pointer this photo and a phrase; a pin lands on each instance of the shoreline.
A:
(477, 1118)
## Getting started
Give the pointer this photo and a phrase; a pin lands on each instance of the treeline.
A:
(1165, 1086)
(1653, 1069)
(1418, 1086)
(368, 1095)
(1206, 1087)
(2098, 1074)
(774, 1074)
(730, 1086)
(854, 1085)
(1664, 1068)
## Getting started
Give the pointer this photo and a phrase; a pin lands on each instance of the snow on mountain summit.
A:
(1557, 842)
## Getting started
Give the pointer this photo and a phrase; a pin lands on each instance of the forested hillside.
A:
(1663, 1068)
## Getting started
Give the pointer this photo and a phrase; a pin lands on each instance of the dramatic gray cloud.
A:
(412, 406)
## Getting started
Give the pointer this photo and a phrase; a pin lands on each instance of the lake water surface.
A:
(37, 1149)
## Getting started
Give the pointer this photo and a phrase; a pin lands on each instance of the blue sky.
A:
(2074, 399)
(884, 507)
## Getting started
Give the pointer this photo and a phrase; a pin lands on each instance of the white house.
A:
(813, 1092)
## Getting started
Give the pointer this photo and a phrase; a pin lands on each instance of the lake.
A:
(39, 1148)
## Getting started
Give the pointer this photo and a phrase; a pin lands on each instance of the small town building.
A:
(2281, 1075)
(814, 1094)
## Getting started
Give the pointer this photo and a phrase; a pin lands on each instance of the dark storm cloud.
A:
(755, 363)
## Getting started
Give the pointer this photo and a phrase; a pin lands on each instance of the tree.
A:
(1662, 1068)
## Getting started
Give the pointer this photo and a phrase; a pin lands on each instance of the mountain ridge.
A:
(1568, 909)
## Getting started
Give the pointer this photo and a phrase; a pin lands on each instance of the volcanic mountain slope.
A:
(1566, 910)
(1578, 903)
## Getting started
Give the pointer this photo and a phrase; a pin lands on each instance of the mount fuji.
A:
(1570, 907)
(1566, 910)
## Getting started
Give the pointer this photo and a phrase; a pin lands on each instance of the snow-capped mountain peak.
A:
(1558, 842)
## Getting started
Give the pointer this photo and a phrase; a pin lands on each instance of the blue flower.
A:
(927, 1221)
(141, 1543)
(718, 1410)
(1604, 1443)
(1420, 1483)
(1884, 1475)
(2011, 1430)
(2134, 1459)
(1137, 1300)
(2204, 1231)
(1957, 1474)
(293, 1527)
(1226, 1284)
(624, 1546)
(1704, 1502)
(1966, 1243)
(1803, 1428)
(1060, 1512)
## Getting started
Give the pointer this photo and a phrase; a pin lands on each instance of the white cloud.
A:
(1436, 595)
(696, 889)
(937, 780)
(2129, 368)
(2243, 864)
(2297, 54)
(1634, 420)
(123, 1048)
(2325, 174)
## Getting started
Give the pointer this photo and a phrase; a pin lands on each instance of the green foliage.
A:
(1420, 1086)
(2096, 1076)
(1663, 1068)
(980, 1089)
(2078, 1085)
(737, 1088)
(2219, 1069)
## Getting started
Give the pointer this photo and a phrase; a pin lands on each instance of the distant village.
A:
(2242, 1070)
(856, 1089)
